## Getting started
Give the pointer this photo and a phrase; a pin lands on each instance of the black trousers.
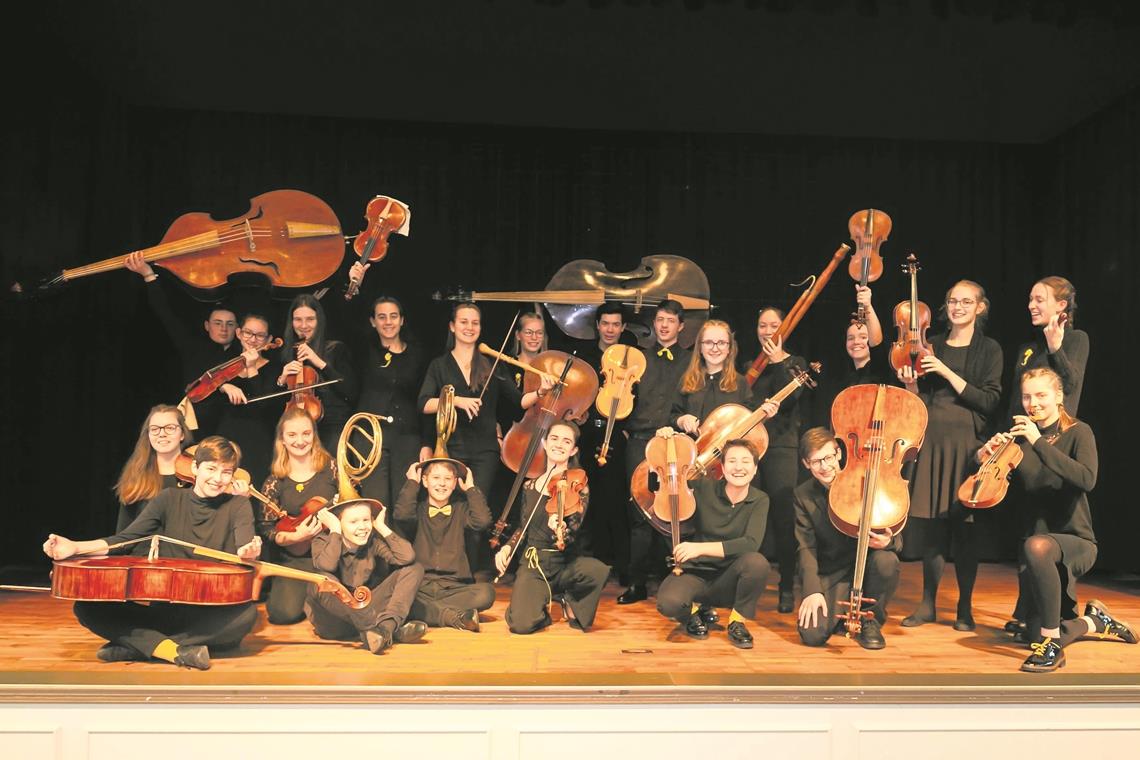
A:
(779, 475)
(607, 524)
(880, 580)
(391, 600)
(484, 466)
(737, 586)
(579, 579)
(647, 548)
(397, 454)
(437, 595)
(285, 604)
(144, 626)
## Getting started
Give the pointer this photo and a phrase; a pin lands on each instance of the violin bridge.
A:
(297, 230)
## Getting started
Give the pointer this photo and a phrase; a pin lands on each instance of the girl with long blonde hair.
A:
(150, 467)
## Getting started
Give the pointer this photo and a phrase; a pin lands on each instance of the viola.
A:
(869, 230)
(289, 238)
(579, 287)
(725, 423)
(912, 318)
(384, 216)
(564, 498)
(673, 460)
(989, 485)
(803, 303)
(216, 377)
(882, 427)
(303, 395)
(569, 398)
(622, 367)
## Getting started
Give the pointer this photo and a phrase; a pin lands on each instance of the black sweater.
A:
(1057, 478)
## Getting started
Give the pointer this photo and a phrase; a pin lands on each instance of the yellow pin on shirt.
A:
(387, 359)
(1025, 358)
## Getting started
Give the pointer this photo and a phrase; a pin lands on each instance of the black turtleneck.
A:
(224, 523)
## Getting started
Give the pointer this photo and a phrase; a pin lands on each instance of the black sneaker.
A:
(696, 627)
(1114, 630)
(739, 636)
(708, 614)
(1045, 657)
(870, 636)
(1014, 627)
(464, 620)
(117, 653)
(197, 657)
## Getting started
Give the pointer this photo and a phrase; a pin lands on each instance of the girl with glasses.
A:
(150, 467)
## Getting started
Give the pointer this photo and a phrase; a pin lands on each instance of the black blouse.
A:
(700, 403)
(390, 383)
(477, 435)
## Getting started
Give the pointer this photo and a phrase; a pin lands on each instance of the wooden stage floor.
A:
(630, 647)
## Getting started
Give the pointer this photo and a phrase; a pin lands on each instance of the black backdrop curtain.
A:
(87, 176)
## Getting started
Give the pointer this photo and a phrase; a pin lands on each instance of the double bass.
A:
(882, 427)
(290, 238)
(869, 230)
(579, 287)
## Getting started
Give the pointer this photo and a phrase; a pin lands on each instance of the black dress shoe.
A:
(635, 593)
(915, 620)
(1045, 657)
(708, 614)
(871, 635)
(787, 602)
(118, 653)
(1114, 630)
(193, 657)
(696, 627)
(465, 620)
(739, 636)
(413, 630)
(1014, 626)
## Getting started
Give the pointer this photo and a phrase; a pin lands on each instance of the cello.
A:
(912, 318)
(673, 460)
(288, 237)
(579, 287)
(384, 216)
(869, 230)
(569, 398)
(615, 399)
(882, 427)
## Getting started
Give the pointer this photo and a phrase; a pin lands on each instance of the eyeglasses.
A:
(819, 464)
(967, 302)
(714, 344)
(170, 429)
(251, 335)
(534, 333)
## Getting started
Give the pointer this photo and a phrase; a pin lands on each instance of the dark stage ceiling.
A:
(978, 70)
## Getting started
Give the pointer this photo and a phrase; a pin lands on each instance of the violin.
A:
(579, 287)
(882, 427)
(622, 366)
(674, 461)
(289, 238)
(384, 216)
(869, 230)
(569, 398)
(989, 485)
(216, 377)
(564, 497)
(803, 303)
(303, 395)
(725, 423)
(912, 318)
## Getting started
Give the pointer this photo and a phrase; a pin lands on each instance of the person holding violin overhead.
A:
(389, 384)
(197, 351)
(251, 426)
(302, 471)
(552, 567)
(827, 556)
(310, 356)
(361, 550)
(961, 388)
(150, 468)
(867, 363)
(1057, 342)
(658, 390)
(711, 378)
(720, 565)
(206, 515)
(1057, 470)
(779, 471)
(448, 595)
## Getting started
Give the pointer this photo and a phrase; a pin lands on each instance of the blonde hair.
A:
(1067, 420)
(694, 378)
(280, 466)
(140, 479)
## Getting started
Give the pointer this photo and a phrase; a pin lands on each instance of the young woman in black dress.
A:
(961, 389)
(150, 467)
(250, 426)
(306, 343)
(390, 378)
(1058, 469)
(711, 379)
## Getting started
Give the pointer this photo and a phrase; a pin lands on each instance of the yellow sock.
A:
(166, 650)
(736, 617)
(695, 607)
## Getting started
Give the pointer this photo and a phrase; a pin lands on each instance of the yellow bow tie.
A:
(444, 510)
(666, 353)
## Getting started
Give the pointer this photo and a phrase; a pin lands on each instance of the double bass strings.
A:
(189, 244)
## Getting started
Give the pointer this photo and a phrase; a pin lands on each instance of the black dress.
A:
(947, 453)
(251, 426)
